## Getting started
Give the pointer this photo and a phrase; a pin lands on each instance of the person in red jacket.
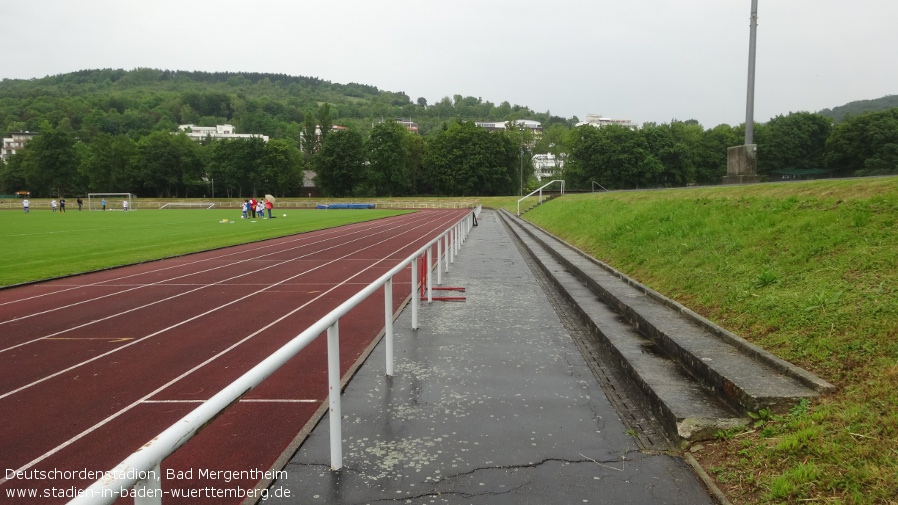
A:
(268, 207)
(252, 206)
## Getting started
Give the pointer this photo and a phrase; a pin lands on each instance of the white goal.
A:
(110, 201)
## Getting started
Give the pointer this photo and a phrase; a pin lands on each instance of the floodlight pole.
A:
(750, 102)
(742, 161)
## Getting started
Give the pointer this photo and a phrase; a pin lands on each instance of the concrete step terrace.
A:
(698, 377)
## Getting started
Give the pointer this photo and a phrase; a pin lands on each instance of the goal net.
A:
(110, 201)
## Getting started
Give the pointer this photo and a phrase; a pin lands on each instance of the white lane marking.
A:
(112, 340)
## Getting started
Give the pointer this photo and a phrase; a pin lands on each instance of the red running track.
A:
(94, 366)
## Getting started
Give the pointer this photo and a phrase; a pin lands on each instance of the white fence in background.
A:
(147, 460)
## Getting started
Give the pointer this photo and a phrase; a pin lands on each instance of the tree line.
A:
(109, 130)
(390, 161)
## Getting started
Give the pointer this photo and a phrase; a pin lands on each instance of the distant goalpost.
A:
(112, 201)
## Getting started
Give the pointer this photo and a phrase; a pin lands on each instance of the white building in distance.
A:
(547, 166)
(529, 124)
(598, 121)
(15, 142)
(220, 132)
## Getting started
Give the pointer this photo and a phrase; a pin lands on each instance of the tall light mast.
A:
(750, 102)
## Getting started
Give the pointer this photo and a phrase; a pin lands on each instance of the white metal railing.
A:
(540, 191)
(141, 470)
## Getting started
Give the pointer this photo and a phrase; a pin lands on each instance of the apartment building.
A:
(15, 142)
(547, 166)
(534, 126)
(219, 132)
(598, 121)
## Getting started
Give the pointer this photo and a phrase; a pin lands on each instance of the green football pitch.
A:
(44, 244)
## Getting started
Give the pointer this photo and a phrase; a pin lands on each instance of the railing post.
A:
(449, 248)
(440, 261)
(429, 259)
(415, 293)
(333, 395)
(388, 324)
(446, 238)
(149, 490)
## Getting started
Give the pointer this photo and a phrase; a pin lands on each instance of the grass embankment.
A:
(806, 270)
(44, 245)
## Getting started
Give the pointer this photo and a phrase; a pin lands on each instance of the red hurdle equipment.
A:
(424, 267)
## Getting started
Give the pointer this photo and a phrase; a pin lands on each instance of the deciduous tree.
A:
(388, 159)
(797, 140)
(340, 165)
(168, 165)
(861, 138)
(281, 168)
(50, 164)
(107, 164)
(465, 160)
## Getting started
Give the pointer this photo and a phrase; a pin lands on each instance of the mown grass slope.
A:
(808, 271)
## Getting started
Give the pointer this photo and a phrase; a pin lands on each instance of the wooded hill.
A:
(840, 113)
(138, 101)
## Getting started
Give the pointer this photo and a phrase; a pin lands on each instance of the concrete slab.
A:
(491, 402)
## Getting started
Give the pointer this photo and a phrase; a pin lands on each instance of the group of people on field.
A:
(252, 207)
(54, 205)
(60, 205)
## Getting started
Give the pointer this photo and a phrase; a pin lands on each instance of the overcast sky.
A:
(644, 60)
